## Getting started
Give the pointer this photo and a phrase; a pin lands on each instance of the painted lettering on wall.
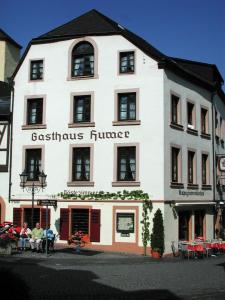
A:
(190, 193)
(93, 135)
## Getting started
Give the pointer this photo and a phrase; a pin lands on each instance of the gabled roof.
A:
(5, 37)
(94, 23)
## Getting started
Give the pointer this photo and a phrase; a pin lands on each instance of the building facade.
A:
(97, 108)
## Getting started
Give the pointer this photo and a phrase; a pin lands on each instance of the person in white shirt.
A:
(25, 234)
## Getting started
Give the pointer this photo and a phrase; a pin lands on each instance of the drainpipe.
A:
(11, 137)
(213, 151)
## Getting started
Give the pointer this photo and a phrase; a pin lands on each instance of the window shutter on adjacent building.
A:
(95, 225)
(17, 216)
(64, 223)
(43, 217)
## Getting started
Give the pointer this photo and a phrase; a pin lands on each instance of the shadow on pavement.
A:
(84, 252)
(33, 281)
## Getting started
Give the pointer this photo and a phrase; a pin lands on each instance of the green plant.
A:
(146, 209)
(157, 236)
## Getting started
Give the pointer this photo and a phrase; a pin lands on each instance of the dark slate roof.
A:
(5, 90)
(204, 70)
(5, 37)
(94, 23)
(4, 109)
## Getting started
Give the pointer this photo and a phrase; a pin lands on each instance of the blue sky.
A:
(191, 29)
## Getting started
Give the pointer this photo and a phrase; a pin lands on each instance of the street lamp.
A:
(33, 189)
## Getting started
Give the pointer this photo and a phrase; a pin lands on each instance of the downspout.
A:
(214, 154)
(11, 139)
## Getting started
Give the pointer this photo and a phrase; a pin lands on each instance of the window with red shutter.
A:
(64, 223)
(95, 225)
(17, 216)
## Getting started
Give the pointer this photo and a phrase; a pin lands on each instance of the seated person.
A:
(25, 234)
(36, 237)
(50, 237)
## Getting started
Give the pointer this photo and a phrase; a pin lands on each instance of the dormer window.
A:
(82, 60)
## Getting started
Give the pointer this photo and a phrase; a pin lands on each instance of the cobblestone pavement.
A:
(66, 274)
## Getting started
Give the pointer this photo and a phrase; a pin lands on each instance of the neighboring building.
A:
(97, 108)
(9, 56)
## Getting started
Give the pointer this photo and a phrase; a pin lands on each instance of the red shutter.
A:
(43, 217)
(95, 225)
(64, 224)
(17, 216)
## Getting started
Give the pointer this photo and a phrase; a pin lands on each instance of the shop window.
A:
(34, 111)
(33, 163)
(36, 70)
(127, 62)
(82, 108)
(125, 223)
(199, 223)
(81, 164)
(126, 170)
(184, 225)
(82, 60)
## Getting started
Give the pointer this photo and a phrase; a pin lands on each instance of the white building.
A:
(97, 108)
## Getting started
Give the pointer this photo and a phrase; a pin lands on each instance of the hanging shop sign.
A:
(47, 203)
(93, 135)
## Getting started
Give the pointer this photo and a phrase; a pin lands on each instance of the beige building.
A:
(9, 55)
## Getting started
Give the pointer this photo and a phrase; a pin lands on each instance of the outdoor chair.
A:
(187, 250)
(175, 250)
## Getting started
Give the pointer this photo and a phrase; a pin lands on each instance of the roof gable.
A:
(5, 37)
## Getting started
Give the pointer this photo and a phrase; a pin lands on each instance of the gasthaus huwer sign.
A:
(93, 135)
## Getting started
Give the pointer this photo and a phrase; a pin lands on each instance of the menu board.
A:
(125, 222)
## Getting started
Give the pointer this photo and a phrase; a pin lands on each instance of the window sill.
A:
(192, 131)
(177, 126)
(80, 183)
(206, 136)
(82, 77)
(206, 187)
(127, 122)
(82, 124)
(35, 80)
(176, 185)
(192, 186)
(126, 73)
(36, 126)
(126, 183)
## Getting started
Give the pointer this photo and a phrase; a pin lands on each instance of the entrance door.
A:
(27, 216)
(184, 221)
(80, 220)
(199, 223)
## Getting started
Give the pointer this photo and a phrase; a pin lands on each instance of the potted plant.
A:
(157, 236)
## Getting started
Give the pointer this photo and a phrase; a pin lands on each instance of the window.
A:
(175, 118)
(81, 164)
(36, 70)
(204, 120)
(127, 106)
(80, 220)
(190, 115)
(4, 145)
(191, 171)
(126, 170)
(82, 109)
(82, 60)
(125, 222)
(175, 164)
(205, 169)
(33, 163)
(127, 62)
(34, 111)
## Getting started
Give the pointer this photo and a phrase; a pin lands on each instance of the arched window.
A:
(82, 60)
